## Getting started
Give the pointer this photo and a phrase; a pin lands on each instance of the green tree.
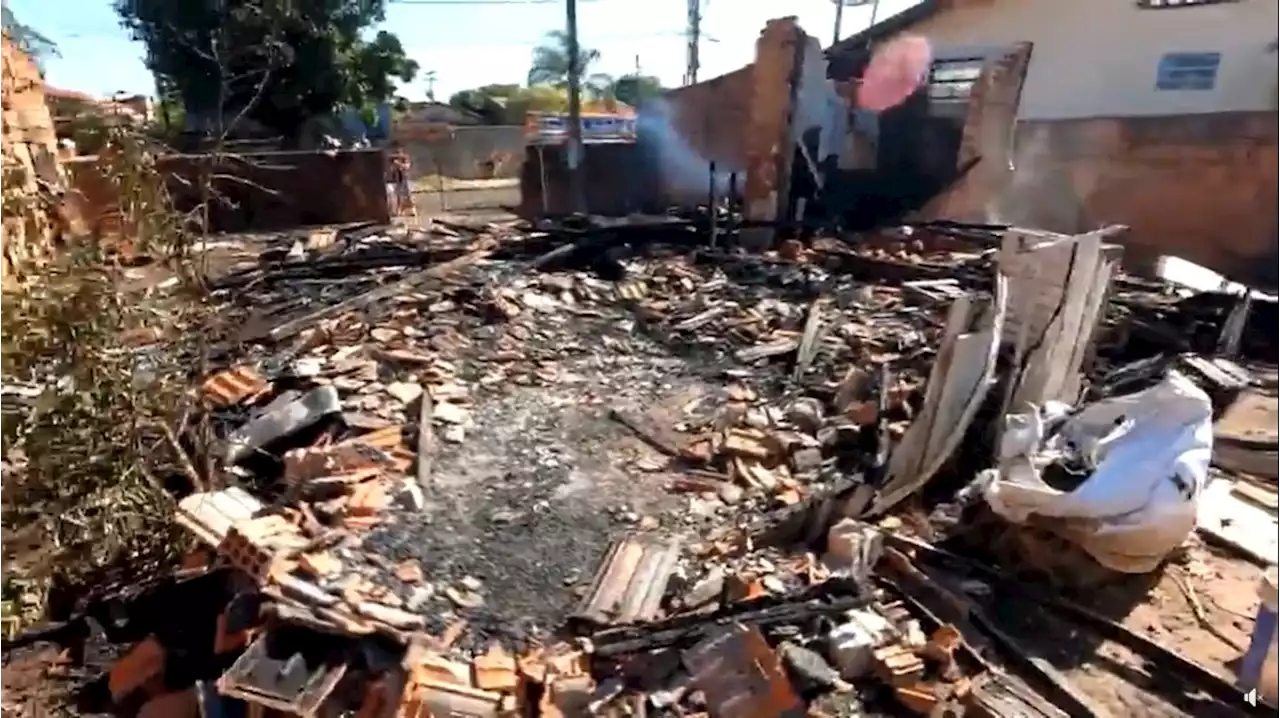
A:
(279, 62)
(489, 102)
(508, 104)
(27, 38)
(636, 89)
(550, 66)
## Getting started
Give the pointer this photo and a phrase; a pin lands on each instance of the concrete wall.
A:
(1099, 58)
(1201, 187)
(466, 155)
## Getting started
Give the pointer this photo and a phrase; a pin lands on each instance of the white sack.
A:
(1131, 512)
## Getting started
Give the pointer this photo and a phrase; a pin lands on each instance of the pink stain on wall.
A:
(896, 70)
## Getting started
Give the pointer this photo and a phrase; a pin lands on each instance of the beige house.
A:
(1123, 58)
(1157, 114)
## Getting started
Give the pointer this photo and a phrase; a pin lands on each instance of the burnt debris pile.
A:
(628, 467)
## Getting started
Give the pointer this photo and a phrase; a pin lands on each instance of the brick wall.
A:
(727, 120)
(276, 191)
(710, 116)
(690, 128)
(1201, 187)
(30, 152)
(767, 140)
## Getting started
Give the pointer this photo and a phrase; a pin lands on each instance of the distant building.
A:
(67, 105)
(62, 101)
(432, 112)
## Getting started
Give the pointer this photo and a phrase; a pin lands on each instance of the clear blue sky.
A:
(471, 45)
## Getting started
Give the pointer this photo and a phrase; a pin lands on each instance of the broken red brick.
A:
(319, 564)
(741, 442)
(433, 667)
(791, 250)
(143, 662)
(233, 386)
(409, 571)
(898, 665)
(179, 704)
(920, 698)
(367, 498)
(496, 671)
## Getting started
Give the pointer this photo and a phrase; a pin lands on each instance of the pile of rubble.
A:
(659, 480)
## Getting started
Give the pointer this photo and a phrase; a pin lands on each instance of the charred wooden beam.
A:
(974, 625)
(831, 598)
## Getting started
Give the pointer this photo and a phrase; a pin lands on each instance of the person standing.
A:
(401, 193)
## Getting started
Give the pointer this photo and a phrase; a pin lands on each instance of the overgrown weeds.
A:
(126, 159)
(97, 397)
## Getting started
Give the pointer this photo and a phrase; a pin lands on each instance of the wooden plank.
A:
(1256, 495)
(1238, 523)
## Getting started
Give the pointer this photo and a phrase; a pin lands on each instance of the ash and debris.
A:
(531, 487)
(721, 398)
(542, 484)
(522, 508)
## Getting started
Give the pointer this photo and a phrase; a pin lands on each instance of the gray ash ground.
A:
(545, 480)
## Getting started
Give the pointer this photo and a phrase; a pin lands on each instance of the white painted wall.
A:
(1099, 58)
(818, 104)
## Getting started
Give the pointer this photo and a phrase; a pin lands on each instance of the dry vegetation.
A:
(97, 384)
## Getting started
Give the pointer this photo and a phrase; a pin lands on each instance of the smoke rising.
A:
(685, 172)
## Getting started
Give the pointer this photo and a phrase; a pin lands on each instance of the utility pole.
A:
(573, 153)
(694, 32)
(431, 85)
(875, 8)
(839, 19)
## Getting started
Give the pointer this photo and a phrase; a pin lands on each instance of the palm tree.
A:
(551, 66)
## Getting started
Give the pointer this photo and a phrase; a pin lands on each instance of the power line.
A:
(428, 3)
(463, 43)
(673, 34)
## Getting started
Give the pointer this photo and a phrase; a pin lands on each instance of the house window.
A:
(1167, 4)
(952, 80)
(1188, 71)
